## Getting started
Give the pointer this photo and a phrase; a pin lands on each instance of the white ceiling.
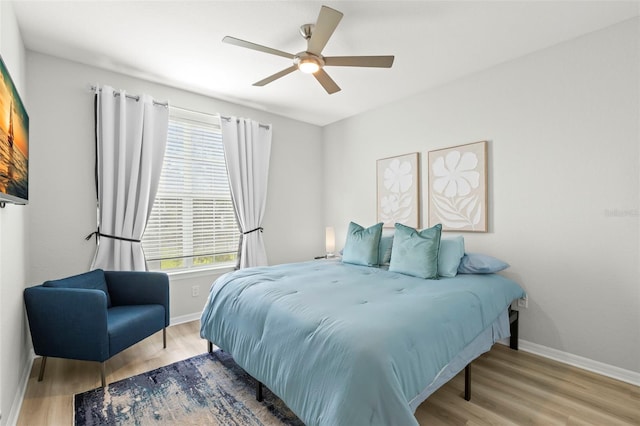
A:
(178, 43)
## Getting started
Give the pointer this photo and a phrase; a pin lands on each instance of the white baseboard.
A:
(16, 405)
(581, 362)
(185, 318)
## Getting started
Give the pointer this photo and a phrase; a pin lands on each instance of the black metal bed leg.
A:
(259, 397)
(514, 316)
(467, 382)
(210, 346)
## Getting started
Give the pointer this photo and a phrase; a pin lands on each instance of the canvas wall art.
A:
(458, 187)
(14, 143)
(398, 180)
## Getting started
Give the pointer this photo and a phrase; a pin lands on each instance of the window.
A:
(192, 223)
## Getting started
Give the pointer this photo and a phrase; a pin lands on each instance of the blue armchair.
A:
(95, 315)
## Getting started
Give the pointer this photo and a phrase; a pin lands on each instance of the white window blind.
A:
(192, 223)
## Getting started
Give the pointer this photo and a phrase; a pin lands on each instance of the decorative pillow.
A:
(451, 251)
(416, 252)
(384, 255)
(362, 245)
(93, 280)
(476, 263)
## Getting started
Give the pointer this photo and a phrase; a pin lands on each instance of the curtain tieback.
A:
(253, 230)
(100, 234)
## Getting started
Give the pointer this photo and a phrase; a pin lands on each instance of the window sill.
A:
(200, 272)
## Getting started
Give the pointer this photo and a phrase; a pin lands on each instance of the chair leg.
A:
(43, 364)
(164, 338)
(104, 382)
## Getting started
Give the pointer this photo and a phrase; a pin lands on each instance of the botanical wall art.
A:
(398, 190)
(458, 187)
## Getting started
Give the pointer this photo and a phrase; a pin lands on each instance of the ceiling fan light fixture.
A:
(308, 65)
(311, 61)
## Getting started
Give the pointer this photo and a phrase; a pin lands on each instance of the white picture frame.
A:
(398, 190)
(458, 187)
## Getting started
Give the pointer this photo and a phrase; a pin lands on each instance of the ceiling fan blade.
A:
(328, 20)
(359, 61)
(327, 82)
(258, 47)
(276, 76)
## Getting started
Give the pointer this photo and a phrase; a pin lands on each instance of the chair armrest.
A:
(139, 288)
(68, 322)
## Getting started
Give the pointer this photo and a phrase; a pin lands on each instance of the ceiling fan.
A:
(311, 60)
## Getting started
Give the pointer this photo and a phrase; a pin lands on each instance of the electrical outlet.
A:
(523, 302)
(195, 291)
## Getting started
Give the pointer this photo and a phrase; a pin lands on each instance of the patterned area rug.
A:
(209, 389)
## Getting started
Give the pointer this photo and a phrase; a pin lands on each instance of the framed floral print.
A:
(398, 180)
(458, 187)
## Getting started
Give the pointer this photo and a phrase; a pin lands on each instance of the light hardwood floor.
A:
(508, 387)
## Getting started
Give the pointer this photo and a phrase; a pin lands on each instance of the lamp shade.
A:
(330, 240)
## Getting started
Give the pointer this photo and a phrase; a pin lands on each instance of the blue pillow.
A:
(475, 263)
(93, 280)
(384, 254)
(451, 251)
(416, 252)
(363, 245)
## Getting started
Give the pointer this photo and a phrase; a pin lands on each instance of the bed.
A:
(344, 344)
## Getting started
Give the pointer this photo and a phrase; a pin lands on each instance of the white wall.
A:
(62, 174)
(563, 156)
(14, 353)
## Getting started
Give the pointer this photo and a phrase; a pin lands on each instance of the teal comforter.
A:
(349, 345)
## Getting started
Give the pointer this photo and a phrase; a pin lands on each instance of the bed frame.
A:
(514, 317)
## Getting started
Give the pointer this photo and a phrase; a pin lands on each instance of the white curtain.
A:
(131, 136)
(247, 147)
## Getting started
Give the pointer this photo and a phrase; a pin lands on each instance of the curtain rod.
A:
(264, 126)
(166, 104)
(137, 98)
